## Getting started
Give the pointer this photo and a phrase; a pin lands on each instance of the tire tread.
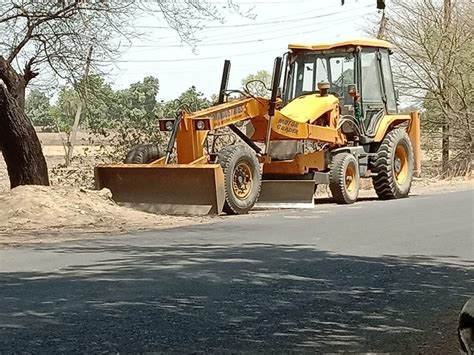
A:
(384, 182)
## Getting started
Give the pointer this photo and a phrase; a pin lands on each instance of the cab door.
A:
(387, 78)
(371, 87)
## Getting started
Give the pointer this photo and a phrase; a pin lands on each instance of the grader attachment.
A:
(166, 189)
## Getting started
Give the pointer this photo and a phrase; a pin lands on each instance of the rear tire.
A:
(143, 154)
(394, 166)
(344, 180)
(242, 178)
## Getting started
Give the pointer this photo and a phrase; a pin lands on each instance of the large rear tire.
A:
(394, 166)
(242, 178)
(344, 179)
(143, 154)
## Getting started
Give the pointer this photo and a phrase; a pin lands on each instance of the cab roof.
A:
(350, 43)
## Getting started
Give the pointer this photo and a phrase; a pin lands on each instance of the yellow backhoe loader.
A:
(333, 121)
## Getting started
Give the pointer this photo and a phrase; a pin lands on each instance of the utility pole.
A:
(445, 146)
(77, 117)
(382, 26)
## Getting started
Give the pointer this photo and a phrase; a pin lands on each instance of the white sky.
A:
(251, 46)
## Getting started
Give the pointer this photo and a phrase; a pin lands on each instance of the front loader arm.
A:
(231, 112)
(195, 127)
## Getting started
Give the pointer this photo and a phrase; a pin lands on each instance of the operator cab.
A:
(365, 63)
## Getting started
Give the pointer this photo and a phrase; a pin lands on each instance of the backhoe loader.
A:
(334, 120)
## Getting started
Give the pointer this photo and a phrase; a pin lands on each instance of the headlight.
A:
(169, 125)
(200, 125)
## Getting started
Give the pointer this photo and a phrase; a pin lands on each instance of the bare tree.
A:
(52, 36)
(434, 65)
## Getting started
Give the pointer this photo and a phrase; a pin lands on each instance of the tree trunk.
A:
(19, 144)
(75, 128)
(445, 148)
(77, 118)
(15, 83)
(447, 120)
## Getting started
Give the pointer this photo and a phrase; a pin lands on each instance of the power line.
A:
(252, 35)
(256, 23)
(258, 40)
(185, 59)
(208, 58)
(251, 2)
(250, 31)
(257, 31)
(229, 43)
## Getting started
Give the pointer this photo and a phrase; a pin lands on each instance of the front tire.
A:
(344, 179)
(394, 166)
(242, 179)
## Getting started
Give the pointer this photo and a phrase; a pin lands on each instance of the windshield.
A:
(308, 70)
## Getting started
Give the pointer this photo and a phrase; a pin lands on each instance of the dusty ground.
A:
(34, 214)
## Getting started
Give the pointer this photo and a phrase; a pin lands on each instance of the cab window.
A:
(388, 80)
(308, 70)
(342, 75)
(321, 74)
(371, 86)
(307, 77)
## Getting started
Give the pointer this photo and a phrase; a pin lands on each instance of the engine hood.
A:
(308, 108)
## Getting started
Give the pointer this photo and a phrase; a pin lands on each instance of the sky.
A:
(251, 45)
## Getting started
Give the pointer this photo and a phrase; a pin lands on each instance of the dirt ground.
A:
(36, 214)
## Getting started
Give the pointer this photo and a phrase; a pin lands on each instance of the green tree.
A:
(258, 83)
(138, 102)
(102, 105)
(64, 110)
(191, 100)
(37, 108)
(133, 118)
(99, 113)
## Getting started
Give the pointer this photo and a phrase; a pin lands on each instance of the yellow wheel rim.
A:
(242, 180)
(350, 178)
(400, 165)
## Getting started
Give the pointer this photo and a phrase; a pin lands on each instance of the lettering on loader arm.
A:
(287, 126)
(223, 117)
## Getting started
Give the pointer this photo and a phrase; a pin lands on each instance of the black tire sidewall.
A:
(230, 158)
(337, 177)
(351, 160)
(402, 190)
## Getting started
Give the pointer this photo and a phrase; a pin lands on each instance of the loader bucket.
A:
(286, 194)
(166, 189)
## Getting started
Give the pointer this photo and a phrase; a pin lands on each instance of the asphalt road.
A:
(375, 276)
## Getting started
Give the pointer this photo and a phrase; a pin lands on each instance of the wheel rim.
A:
(242, 180)
(350, 178)
(400, 164)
